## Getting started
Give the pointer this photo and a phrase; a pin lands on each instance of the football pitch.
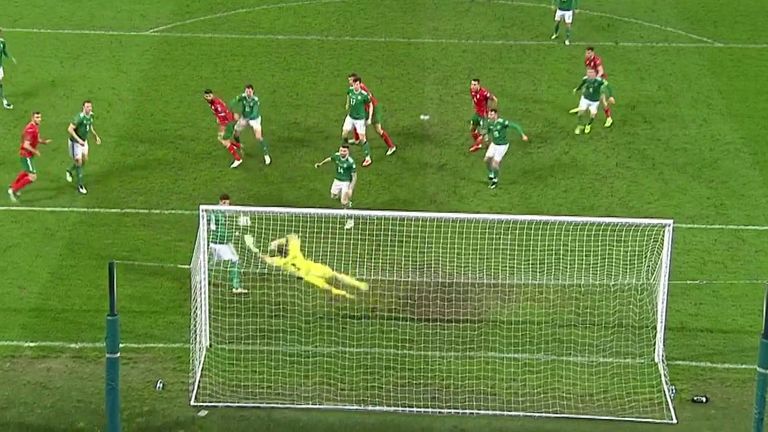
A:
(687, 144)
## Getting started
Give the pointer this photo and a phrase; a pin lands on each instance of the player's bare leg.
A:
(264, 146)
(607, 111)
(477, 137)
(349, 280)
(323, 284)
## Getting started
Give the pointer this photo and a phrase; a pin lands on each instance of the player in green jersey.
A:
(358, 116)
(345, 179)
(221, 236)
(594, 90)
(247, 109)
(3, 54)
(564, 10)
(79, 129)
(497, 133)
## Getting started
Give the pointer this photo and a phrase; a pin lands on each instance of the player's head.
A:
(356, 83)
(87, 107)
(493, 114)
(351, 77)
(591, 73)
(474, 85)
(224, 199)
(208, 95)
(589, 53)
(249, 90)
(37, 117)
(344, 151)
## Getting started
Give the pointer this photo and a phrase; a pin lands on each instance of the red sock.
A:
(21, 181)
(607, 111)
(475, 135)
(479, 141)
(387, 140)
(357, 136)
(232, 149)
(235, 143)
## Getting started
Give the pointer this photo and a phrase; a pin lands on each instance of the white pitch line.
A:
(619, 18)
(194, 212)
(234, 12)
(384, 39)
(92, 345)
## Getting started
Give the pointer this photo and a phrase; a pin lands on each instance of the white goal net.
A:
(464, 313)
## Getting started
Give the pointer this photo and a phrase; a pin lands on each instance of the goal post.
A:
(443, 313)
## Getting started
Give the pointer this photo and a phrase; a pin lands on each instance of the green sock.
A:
(2, 93)
(264, 147)
(557, 27)
(237, 139)
(567, 32)
(79, 170)
(366, 149)
(490, 172)
(234, 275)
(591, 119)
(72, 168)
(496, 174)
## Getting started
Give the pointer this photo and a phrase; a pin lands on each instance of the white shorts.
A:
(224, 252)
(254, 124)
(76, 151)
(566, 16)
(496, 152)
(2, 73)
(585, 104)
(358, 125)
(338, 188)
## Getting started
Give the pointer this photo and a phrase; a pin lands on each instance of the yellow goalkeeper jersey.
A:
(295, 263)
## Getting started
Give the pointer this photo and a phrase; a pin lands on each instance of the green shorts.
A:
(478, 121)
(27, 165)
(229, 130)
(377, 115)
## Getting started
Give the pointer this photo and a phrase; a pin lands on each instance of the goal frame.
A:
(661, 303)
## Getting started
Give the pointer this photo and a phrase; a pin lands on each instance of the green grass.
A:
(686, 145)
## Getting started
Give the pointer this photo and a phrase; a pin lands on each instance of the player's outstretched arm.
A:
(322, 162)
(519, 130)
(95, 135)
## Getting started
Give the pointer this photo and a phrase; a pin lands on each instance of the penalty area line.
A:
(195, 212)
(139, 346)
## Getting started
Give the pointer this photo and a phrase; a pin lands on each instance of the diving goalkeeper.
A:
(290, 259)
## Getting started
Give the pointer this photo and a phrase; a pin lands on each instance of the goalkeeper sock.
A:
(366, 149)
(557, 27)
(234, 275)
(79, 170)
(264, 147)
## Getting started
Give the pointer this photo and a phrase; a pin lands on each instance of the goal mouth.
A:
(463, 314)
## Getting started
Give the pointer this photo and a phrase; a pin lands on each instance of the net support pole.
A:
(761, 382)
(112, 388)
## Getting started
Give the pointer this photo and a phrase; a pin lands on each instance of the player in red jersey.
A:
(593, 61)
(223, 117)
(391, 148)
(482, 98)
(30, 139)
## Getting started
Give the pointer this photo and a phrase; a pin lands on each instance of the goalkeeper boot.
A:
(608, 122)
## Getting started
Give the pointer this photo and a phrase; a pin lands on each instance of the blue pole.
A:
(112, 389)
